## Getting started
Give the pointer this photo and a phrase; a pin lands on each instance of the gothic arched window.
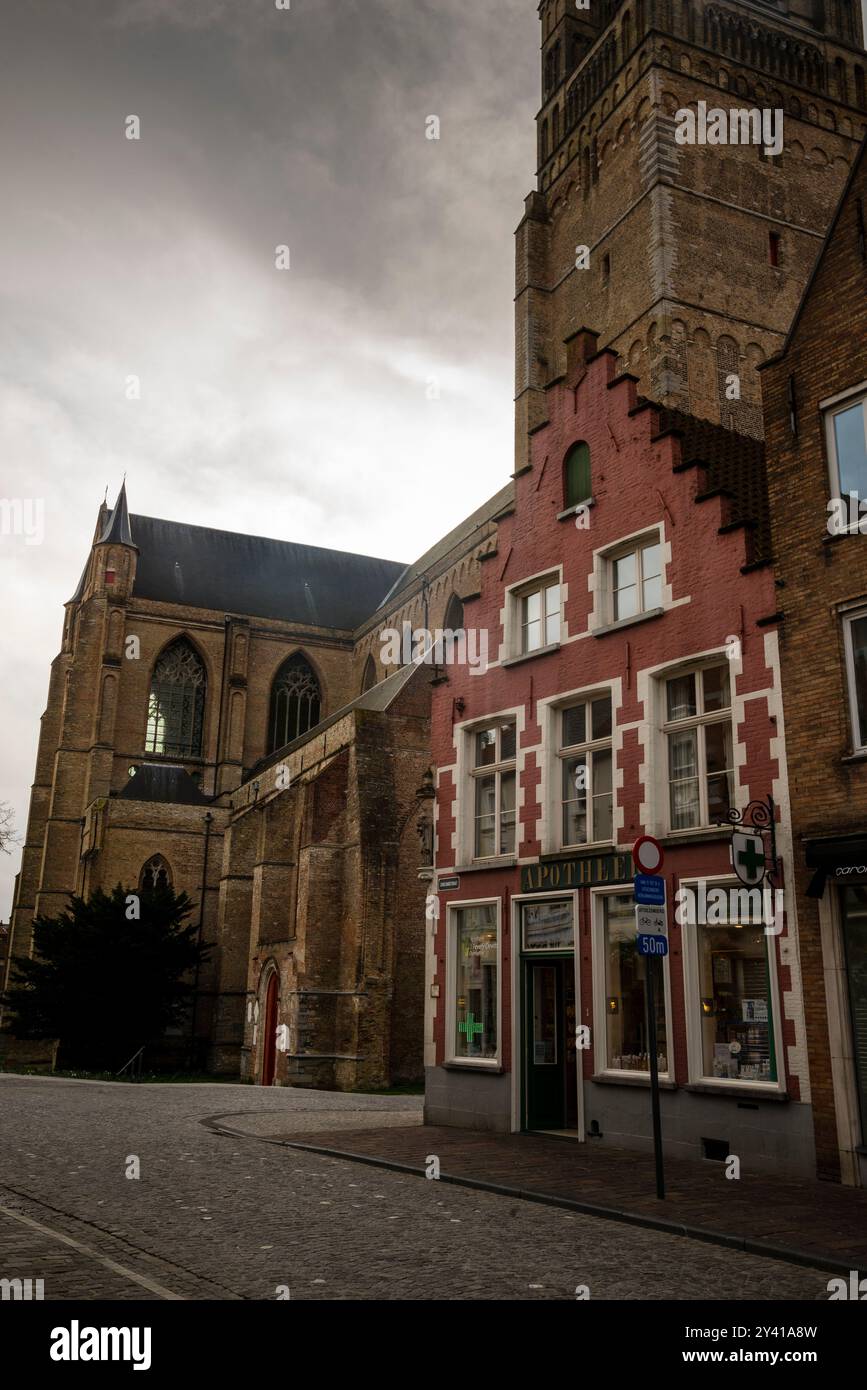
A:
(368, 680)
(296, 701)
(176, 707)
(454, 618)
(155, 875)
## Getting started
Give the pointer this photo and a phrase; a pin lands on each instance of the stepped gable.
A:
(733, 463)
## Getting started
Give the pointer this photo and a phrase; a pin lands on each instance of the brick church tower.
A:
(698, 253)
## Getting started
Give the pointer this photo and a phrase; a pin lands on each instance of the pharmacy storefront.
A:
(539, 1014)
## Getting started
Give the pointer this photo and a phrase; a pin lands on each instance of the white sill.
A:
(488, 1063)
(859, 756)
(698, 832)
(528, 656)
(502, 861)
(627, 622)
(579, 506)
(626, 1078)
(740, 1083)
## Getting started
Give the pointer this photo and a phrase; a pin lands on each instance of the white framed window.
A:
(585, 778)
(697, 725)
(620, 1039)
(855, 643)
(635, 578)
(493, 789)
(473, 983)
(537, 620)
(730, 985)
(846, 436)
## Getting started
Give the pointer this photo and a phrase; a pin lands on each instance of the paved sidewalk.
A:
(821, 1224)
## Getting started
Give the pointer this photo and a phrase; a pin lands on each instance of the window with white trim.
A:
(846, 434)
(585, 780)
(699, 746)
(538, 616)
(474, 973)
(855, 641)
(734, 988)
(635, 578)
(493, 790)
(623, 981)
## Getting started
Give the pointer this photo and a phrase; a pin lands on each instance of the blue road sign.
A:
(649, 889)
(652, 945)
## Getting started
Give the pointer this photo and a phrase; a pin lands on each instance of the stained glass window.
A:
(296, 702)
(176, 705)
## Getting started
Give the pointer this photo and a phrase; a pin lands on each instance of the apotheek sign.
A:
(576, 873)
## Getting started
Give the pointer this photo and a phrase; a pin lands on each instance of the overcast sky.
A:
(284, 403)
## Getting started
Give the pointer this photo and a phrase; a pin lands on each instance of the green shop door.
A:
(549, 1030)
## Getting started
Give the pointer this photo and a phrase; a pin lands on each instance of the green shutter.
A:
(577, 468)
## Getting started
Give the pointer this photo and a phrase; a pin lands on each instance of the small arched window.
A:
(576, 475)
(368, 680)
(176, 705)
(296, 702)
(155, 875)
(454, 618)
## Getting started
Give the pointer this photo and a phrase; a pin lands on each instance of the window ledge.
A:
(627, 622)
(696, 836)
(506, 861)
(581, 851)
(638, 1078)
(528, 656)
(739, 1090)
(578, 507)
(859, 757)
(492, 1068)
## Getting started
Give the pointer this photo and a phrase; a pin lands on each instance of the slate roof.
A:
(734, 463)
(163, 782)
(256, 576)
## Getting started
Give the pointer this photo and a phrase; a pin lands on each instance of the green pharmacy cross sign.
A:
(470, 1027)
(751, 859)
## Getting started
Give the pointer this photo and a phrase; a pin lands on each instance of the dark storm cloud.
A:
(289, 403)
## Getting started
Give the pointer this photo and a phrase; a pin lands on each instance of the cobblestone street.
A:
(217, 1217)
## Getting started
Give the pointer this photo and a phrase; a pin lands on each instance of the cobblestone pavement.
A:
(217, 1217)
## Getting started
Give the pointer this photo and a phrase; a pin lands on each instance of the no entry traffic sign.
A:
(647, 855)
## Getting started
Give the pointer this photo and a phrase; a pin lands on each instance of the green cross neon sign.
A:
(751, 858)
(470, 1027)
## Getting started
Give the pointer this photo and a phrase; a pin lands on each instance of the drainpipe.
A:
(208, 820)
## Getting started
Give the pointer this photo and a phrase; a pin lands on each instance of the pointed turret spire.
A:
(117, 527)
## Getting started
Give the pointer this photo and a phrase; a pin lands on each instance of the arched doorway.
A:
(269, 1036)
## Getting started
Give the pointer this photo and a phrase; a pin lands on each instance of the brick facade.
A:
(820, 577)
(717, 606)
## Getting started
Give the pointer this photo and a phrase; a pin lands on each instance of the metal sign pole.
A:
(654, 1074)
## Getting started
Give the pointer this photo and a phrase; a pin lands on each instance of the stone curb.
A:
(790, 1255)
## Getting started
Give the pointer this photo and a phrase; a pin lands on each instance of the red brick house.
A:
(632, 687)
